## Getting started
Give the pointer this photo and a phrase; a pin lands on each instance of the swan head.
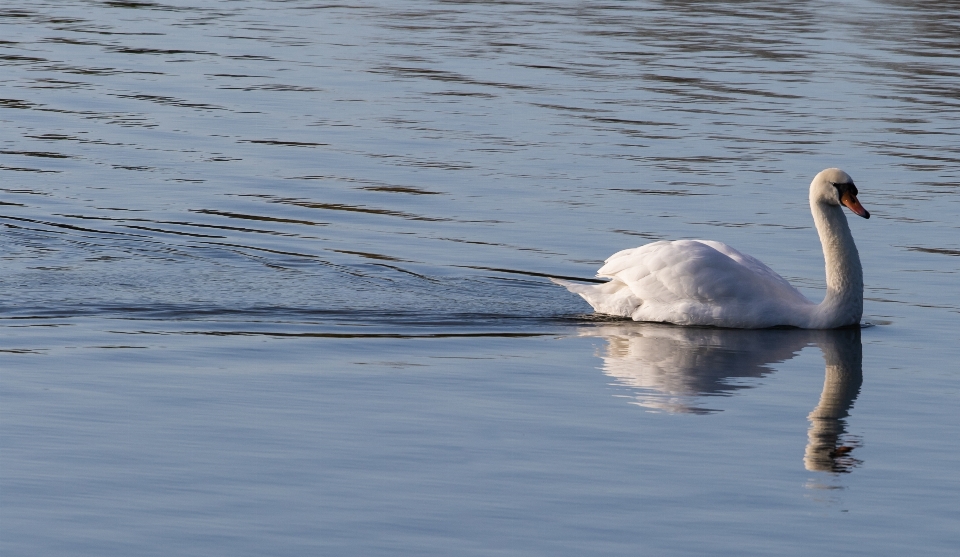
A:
(835, 187)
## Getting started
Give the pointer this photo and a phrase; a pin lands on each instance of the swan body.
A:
(707, 283)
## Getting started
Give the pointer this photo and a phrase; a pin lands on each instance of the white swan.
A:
(707, 283)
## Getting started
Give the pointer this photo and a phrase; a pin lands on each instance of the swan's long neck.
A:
(843, 304)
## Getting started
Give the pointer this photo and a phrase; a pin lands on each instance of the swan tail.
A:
(609, 298)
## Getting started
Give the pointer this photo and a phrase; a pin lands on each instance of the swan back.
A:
(697, 282)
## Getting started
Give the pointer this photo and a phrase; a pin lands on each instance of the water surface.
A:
(274, 278)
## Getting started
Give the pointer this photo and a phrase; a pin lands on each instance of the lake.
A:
(275, 278)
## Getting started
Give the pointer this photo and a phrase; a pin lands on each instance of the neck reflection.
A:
(828, 445)
(678, 369)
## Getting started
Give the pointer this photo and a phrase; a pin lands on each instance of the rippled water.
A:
(273, 277)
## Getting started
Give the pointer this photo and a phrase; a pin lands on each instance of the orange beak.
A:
(854, 205)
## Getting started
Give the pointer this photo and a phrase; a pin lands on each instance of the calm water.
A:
(273, 278)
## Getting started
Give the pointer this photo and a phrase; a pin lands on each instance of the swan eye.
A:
(846, 187)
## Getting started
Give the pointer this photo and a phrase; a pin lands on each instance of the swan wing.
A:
(696, 282)
(760, 270)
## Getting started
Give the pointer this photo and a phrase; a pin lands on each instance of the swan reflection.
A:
(675, 369)
(828, 448)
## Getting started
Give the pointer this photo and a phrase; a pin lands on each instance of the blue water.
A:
(273, 278)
